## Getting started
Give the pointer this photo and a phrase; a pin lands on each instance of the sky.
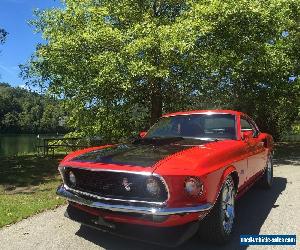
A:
(21, 40)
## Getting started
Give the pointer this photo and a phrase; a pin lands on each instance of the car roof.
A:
(211, 111)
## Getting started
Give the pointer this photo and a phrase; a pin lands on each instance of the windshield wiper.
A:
(204, 138)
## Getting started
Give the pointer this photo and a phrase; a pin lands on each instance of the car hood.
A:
(136, 154)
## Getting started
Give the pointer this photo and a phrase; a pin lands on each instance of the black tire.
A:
(212, 228)
(267, 178)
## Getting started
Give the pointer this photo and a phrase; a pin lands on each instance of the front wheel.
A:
(217, 226)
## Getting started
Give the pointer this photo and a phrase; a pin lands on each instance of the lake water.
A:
(17, 144)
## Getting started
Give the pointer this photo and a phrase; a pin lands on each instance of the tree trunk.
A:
(156, 103)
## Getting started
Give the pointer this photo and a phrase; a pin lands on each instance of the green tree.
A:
(3, 35)
(22, 111)
(119, 64)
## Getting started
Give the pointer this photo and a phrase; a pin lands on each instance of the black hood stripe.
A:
(130, 154)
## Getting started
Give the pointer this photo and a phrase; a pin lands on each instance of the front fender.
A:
(219, 178)
(231, 170)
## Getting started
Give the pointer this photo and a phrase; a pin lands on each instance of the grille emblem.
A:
(126, 184)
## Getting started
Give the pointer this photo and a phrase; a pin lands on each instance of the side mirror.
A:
(246, 135)
(142, 134)
(255, 134)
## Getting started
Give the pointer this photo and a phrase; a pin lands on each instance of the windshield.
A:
(198, 126)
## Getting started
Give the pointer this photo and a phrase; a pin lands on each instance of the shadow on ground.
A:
(287, 153)
(24, 171)
(251, 212)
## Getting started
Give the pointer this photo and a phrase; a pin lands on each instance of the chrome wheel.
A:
(267, 178)
(269, 171)
(218, 225)
(228, 195)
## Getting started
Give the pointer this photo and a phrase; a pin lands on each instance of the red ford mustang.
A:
(180, 178)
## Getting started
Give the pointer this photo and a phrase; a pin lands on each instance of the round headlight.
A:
(193, 186)
(152, 186)
(72, 179)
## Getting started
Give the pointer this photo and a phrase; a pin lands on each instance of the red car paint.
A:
(211, 163)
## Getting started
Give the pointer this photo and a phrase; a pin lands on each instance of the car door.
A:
(260, 149)
(255, 148)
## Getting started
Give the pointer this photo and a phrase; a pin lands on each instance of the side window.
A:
(245, 125)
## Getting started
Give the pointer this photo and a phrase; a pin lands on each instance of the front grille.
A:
(111, 185)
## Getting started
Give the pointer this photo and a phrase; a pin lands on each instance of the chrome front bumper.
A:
(63, 192)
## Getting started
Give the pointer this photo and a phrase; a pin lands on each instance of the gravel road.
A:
(276, 211)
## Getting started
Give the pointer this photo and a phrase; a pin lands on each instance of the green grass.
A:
(27, 187)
